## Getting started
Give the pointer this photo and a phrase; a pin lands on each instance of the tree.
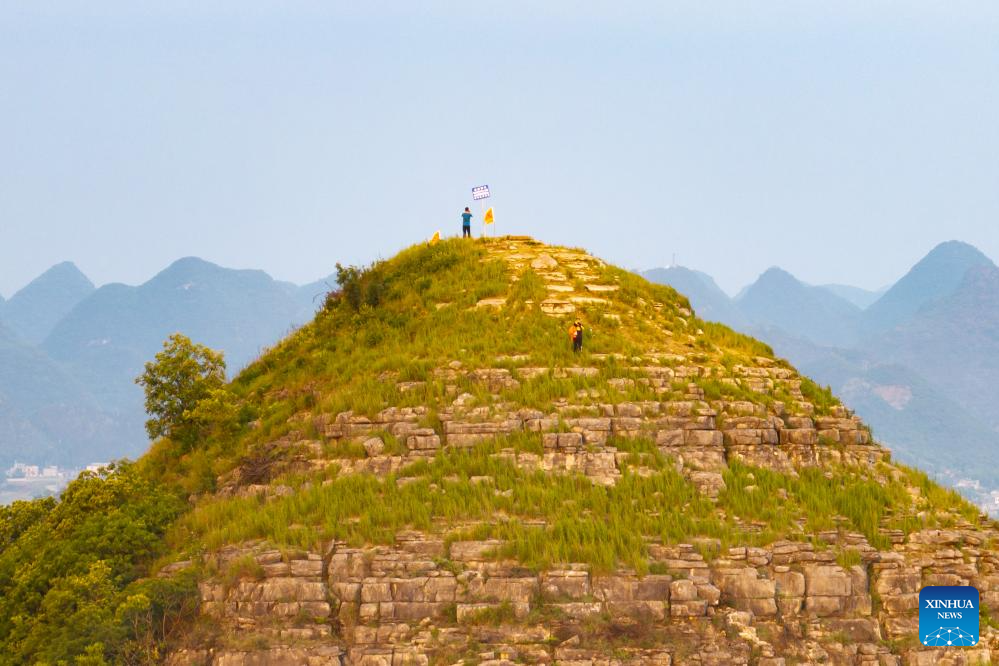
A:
(180, 377)
(70, 575)
(216, 414)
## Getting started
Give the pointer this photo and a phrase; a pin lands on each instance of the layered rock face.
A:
(437, 596)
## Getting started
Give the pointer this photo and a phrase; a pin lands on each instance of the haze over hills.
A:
(920, 363)
(936, 276)
(953, 341)
(47, 415)
(924, 424)
(72, 400)
(34, 310)
(777, 298)
(712, 303)
(862, 298)
(108, 337)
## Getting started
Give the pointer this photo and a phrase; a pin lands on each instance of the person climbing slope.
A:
(466, 223)
(576, 333)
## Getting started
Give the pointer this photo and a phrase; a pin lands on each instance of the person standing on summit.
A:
(466, 223)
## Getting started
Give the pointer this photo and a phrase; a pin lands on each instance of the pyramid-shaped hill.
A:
(428, 473)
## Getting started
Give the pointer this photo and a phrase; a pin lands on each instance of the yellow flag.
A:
(488, 219)
(436, 239)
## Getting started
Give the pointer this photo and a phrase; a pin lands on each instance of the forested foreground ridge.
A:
(427, 472)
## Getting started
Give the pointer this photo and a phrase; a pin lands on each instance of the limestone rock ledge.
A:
(423, 601)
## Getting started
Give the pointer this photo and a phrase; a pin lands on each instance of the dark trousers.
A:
(466, 232)
(577, 343)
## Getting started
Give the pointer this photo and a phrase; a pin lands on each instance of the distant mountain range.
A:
(862, 298)
(32, 312)
(69, 352)
(779, 299)
(935, 278)
(704, 293)
(919, 360)
(46, 414)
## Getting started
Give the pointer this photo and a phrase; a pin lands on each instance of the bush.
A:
(360, 286)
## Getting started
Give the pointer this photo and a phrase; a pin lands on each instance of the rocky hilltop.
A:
(430, 475)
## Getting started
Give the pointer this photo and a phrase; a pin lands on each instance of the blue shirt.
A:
(466, 219)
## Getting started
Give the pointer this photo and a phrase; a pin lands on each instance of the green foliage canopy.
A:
(70, 585)
(182, 376)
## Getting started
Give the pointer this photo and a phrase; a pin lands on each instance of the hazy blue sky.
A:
(840, 140)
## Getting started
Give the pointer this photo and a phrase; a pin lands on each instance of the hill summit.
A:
(936, 275)
(34, 310)
(428, 473)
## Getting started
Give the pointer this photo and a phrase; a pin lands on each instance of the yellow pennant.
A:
(488, 219)
(436, 239)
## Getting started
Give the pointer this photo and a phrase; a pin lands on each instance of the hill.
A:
(954, 342)
(73, 401)
(426, 472)
(862, 298)
(105, 340)
(46, 416)
(779, 299)
(906, 411)
(705, 295)
(939, 355)
(34, 310)
(937, 275)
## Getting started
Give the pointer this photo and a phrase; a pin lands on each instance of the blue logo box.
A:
(948, 616)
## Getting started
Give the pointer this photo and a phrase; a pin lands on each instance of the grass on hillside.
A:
(400, 319)
(424, 316)
(580, 521)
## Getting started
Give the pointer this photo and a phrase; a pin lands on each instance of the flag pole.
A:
(480, 193)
